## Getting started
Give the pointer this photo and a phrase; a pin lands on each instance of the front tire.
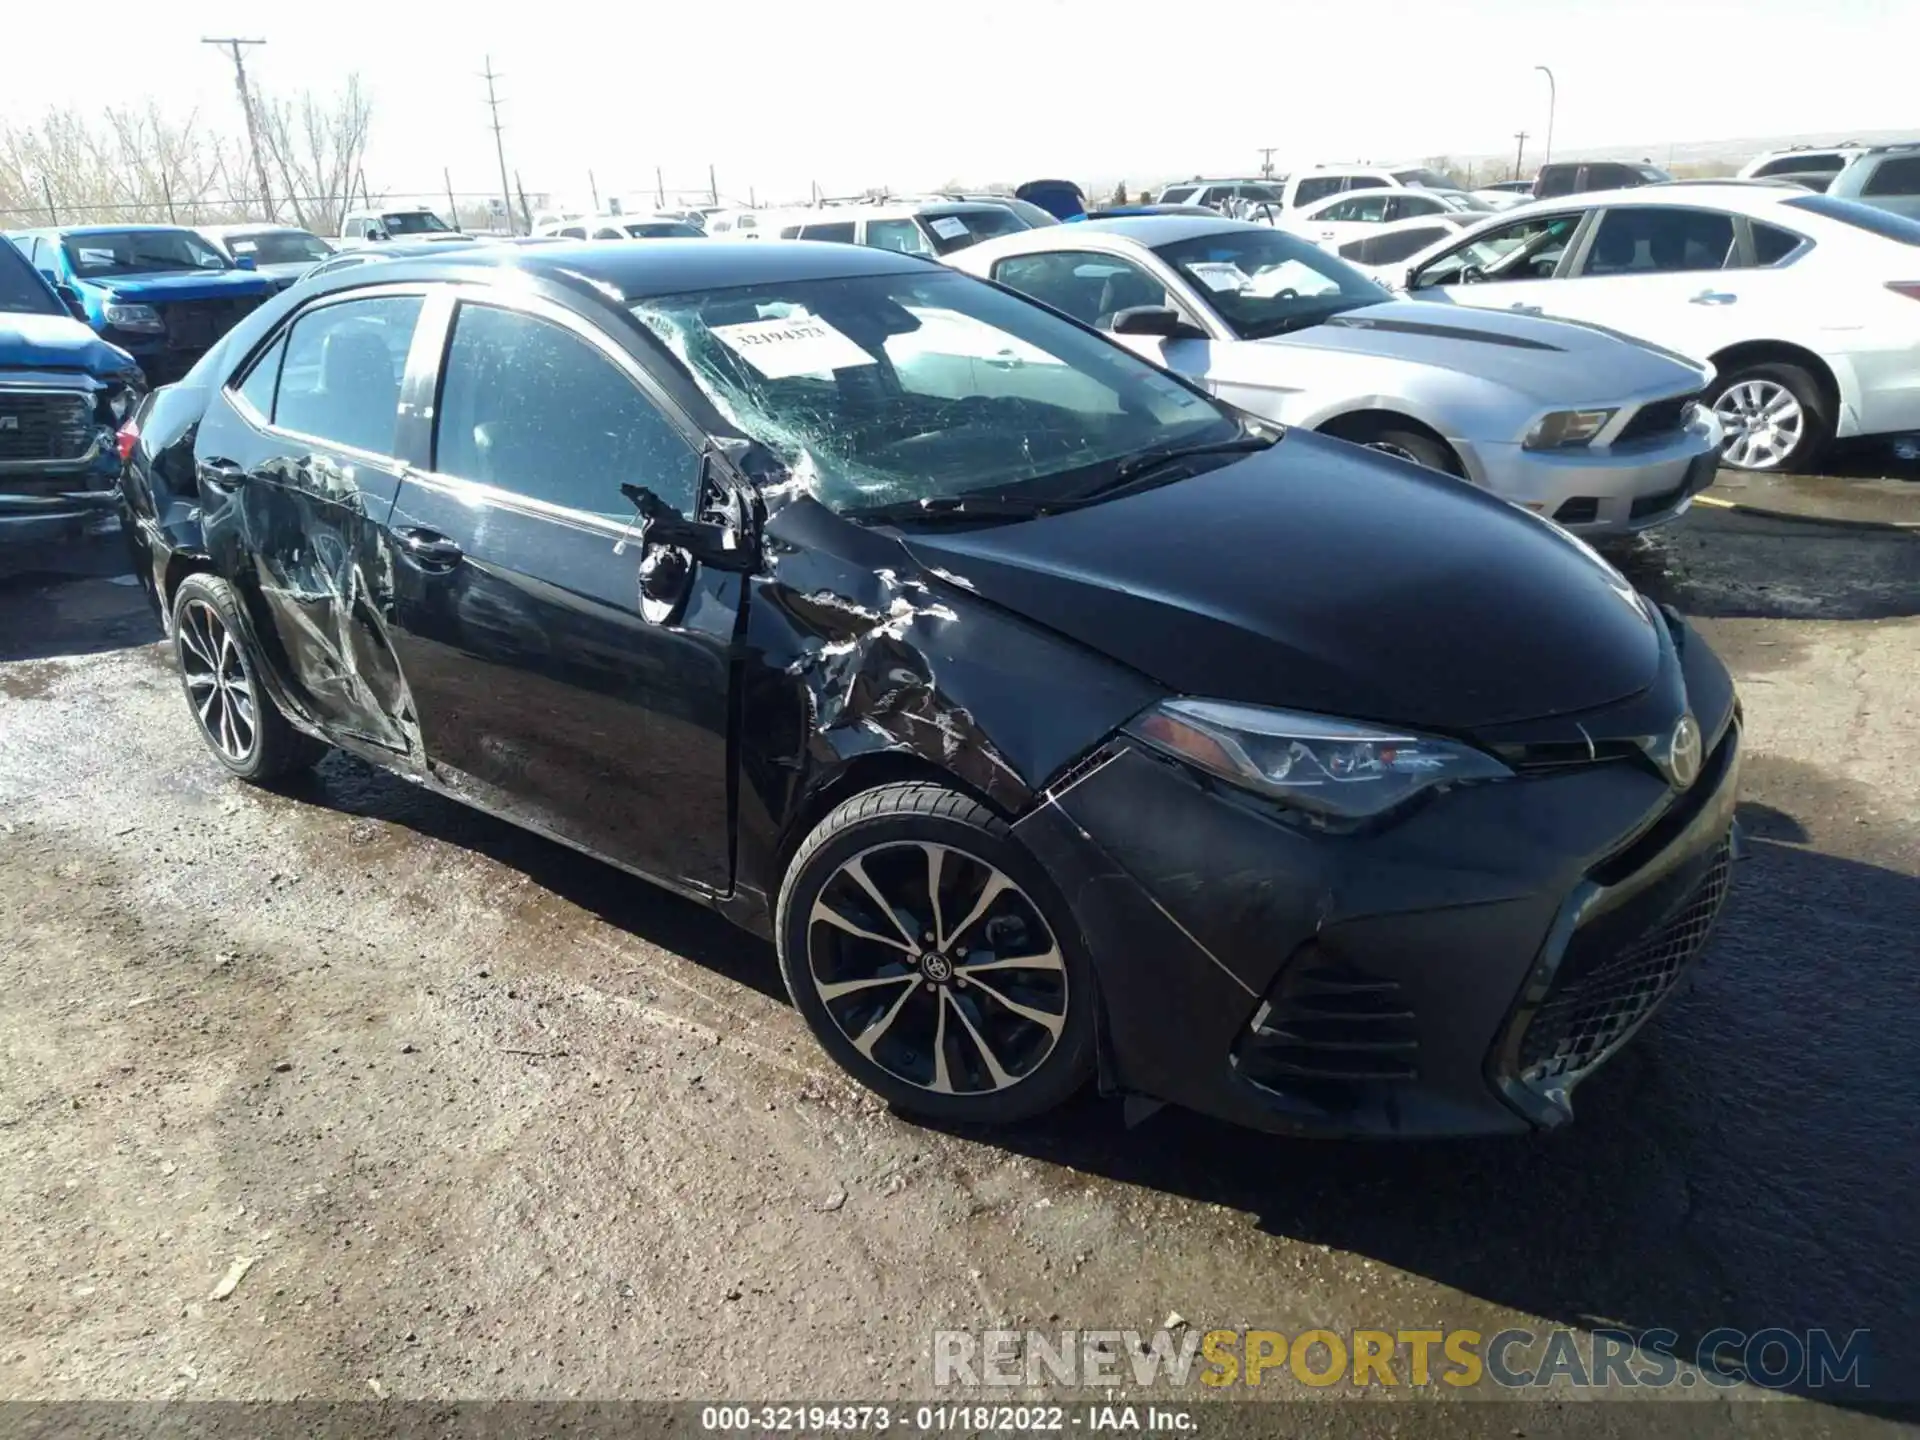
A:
(221, 677)
(933, 959)
(1775, 415)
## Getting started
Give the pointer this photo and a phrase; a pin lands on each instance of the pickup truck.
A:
(162, 293)
(371, 227)
(63, 393)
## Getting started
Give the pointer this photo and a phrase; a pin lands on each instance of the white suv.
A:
(1807, 305)
(1307, 186)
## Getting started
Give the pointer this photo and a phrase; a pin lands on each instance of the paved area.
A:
(492, 1120)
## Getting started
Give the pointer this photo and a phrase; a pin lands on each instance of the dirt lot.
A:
(492, 1120)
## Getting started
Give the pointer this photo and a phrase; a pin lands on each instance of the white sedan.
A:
(1572, 422)
(1341, 219)
(1805, 304)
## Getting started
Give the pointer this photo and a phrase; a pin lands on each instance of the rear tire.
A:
(221, 677)
(924, 998)
(1776, 416)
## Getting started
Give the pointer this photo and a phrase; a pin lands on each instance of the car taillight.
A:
(126, 438)
(1908, 288)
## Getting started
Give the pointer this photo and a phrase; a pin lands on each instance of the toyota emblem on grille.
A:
(1683, 753)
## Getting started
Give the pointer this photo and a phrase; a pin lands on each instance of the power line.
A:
(232, 46)
(499, 148)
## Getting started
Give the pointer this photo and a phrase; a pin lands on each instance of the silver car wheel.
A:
(218, 682)
(937, 967)
(1399, 452)
(1764, 423)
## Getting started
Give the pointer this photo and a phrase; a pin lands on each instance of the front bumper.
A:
(44, 501)
(1606, 491)
(1446, 975)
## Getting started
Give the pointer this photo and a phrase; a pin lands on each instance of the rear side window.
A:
(1391, 249)
(1771, 244)
(1884, 223)
(257, 388)
(528, 406)
(1654, 239)
(1178, 195)
(1896, 175)
(1800, 165)
(1367, 182)
(840, 232)
(1318, 188)
(340, 379)
(900, 235)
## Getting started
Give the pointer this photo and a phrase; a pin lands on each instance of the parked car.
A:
(63, 393)
(1586, 427)
(1502, 194)
(621, 227)
(1886, 177)
(1061, 199)
(1382, 251)
(1803, 303)
(928, 227)
(159, 292)
(279, 253)
(1804, 164)
(1224, 196)
(377, 254)
(1576, 177)
(1337, 219)
(1053, 720)
(1028, 211)
(373, 227)
(1304, 187)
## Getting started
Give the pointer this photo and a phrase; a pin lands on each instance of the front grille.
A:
(196, 324)
(1597, 997)
(1327, 1022)
(1656, 417)
(45, 424)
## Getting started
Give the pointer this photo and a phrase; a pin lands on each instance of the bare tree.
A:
(125, 165)
(317, 144)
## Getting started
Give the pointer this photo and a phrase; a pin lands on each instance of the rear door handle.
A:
(221, 472)
(1712, 297)
(429, 549)
(1524, 308)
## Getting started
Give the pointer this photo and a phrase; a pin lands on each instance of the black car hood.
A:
(1318, 576)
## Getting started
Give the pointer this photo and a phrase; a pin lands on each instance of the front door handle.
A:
(1712, 297)
(429, 549)
(1524, 308)
(224, 473)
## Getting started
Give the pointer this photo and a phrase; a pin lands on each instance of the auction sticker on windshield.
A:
(949, 227)
(781, 349)
(1221, 275)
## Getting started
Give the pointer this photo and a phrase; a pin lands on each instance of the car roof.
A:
(252, 227)
(131, 225)
(660, 267)
(1164, 229)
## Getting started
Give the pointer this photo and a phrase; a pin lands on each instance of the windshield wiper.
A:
(1133, 471)
(951, 509)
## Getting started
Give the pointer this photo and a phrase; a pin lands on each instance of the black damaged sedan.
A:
(1056, 722)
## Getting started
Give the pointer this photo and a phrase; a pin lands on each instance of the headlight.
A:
(1332, 769)
(135, 317)
(1568, 427)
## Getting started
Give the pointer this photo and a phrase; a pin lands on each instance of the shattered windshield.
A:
(879, 390)
(1266, 282)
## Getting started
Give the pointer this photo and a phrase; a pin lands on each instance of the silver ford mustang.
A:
(1591, 428)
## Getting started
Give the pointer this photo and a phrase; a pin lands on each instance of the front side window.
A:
(1176, 195)
(892, 389)
(139, 252)
(1369, 208)
(901, 235)
(21, 291)
(840, 232)
(1092, 288)
(1524, 250)
(662, 230)
(1318, 188)
(1654, 239)
(1366, 182)
(340, 380)
(529, 406)
(573, 232)
(1266, 282)
(1391, 249)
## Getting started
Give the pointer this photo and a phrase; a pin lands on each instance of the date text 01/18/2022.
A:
(940, 1419)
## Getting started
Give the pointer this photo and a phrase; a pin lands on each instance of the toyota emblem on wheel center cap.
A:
(1683, 753)
(936, 967)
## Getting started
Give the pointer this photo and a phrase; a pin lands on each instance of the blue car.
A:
(160, 292)
(63, 393)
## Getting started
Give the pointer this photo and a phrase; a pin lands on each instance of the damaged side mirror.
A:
(720, 547)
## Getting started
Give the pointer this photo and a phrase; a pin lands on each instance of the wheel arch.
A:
(1783, 352)
(1361, 425)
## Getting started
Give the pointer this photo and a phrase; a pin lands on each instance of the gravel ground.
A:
(492, 1120)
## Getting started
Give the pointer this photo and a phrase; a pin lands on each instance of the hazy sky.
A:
(853, 93)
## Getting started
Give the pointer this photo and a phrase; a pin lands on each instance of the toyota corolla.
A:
(1057, 722)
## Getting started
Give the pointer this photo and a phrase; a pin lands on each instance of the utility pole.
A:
(1553, 101)
(1520, 153)
(659, 189)
(713, 185)
(499, 148)
(1266, 161)
(453, 205)
(232, 46)
(594, 186)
